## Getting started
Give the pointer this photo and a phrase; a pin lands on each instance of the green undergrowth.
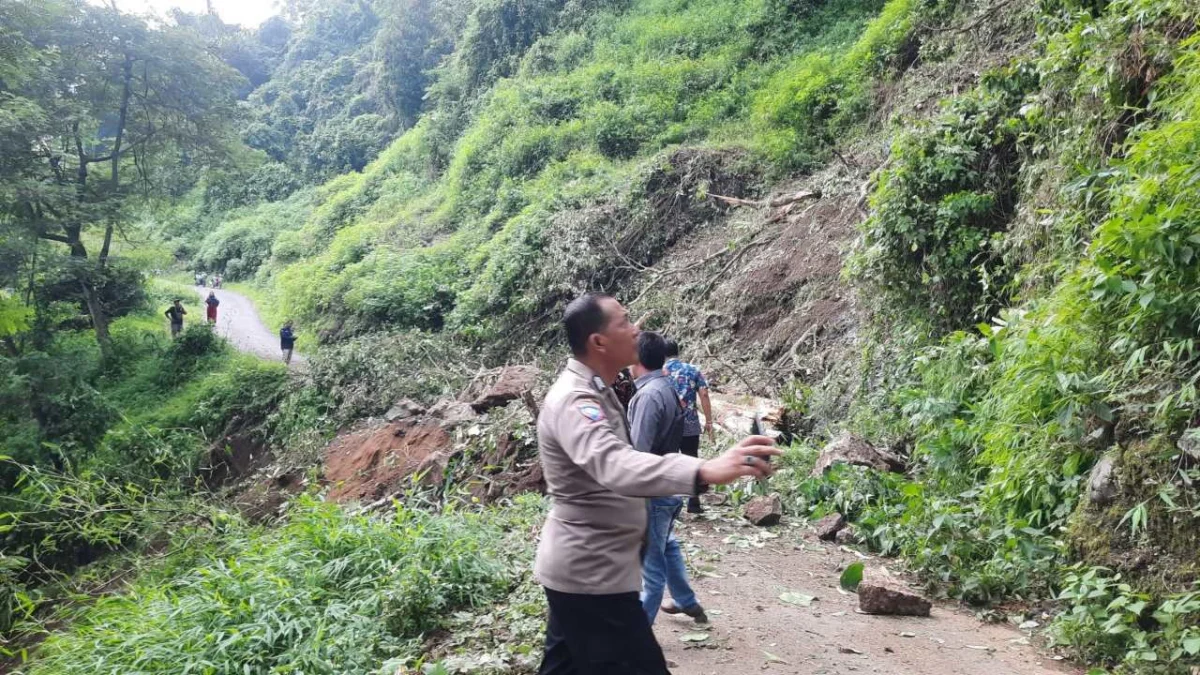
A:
(91, 448)
(1030, 267)
(328, 591)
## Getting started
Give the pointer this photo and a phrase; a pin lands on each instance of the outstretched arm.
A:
(591, 445)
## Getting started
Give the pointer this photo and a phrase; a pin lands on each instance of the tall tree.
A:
(99, 114)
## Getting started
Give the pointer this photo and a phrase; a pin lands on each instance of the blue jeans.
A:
(662, 564)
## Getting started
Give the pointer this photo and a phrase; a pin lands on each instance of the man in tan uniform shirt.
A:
(588, 557)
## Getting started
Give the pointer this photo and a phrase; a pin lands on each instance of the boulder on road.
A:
(828, 527)
(764, 510)
(512, 383)
(851, 449)
(881, 594)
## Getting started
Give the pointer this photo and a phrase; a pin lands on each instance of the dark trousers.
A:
(599, 635)
(690, 446)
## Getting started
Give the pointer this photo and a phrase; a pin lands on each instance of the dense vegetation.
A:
(415, 182)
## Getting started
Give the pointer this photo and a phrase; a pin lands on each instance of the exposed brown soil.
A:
(743, 573)
(368, 463)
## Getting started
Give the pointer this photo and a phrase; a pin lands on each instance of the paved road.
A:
(238, 322)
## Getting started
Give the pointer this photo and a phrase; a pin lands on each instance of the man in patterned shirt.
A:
(689, 385)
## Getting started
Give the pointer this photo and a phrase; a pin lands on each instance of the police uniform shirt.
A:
(598, 483)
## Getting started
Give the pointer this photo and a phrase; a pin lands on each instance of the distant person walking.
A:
(176, 313)
(287, 341)
(689, 385)
(212, 303)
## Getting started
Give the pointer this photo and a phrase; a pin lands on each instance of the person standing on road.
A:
(588, 553)
(176, 313)
(287, 341)
(656, 426)
(212, 303)
(689, 385)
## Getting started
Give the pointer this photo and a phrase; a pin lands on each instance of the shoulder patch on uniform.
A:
(592, 412)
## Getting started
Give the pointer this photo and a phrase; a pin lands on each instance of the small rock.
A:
(1189, 443)
(403, 410)
(1102, 484)
(512, 383)
(828, 527)
(763, 511)
(714, 498)
(850, 449)
(846, 536)
(879, 594)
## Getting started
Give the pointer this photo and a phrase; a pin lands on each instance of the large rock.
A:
(850, 449)
(403, 410)
(881, 594)
(452, 413)
(512, 383)
(828, 527)
(763, 511)
(1102, 484)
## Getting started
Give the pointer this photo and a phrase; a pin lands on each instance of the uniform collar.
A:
(579, 368)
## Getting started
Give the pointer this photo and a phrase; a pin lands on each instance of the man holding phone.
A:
(588, 553)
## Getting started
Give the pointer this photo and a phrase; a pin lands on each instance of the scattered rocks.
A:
(403, 410)
(851, 449)
(828, 527)
(763, 511)
(1102, 484)
(512, 383)
(881, 594)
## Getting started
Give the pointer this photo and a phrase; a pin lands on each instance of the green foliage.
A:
(540, 109)
(187, 353)
(1002, 423)
(933, 245)
(1108, 621)
(326, 592)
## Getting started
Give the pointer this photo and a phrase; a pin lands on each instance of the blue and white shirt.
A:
(688, 381)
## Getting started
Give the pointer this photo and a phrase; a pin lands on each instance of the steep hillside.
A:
(480, 218)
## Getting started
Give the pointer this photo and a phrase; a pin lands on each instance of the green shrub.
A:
(327, 592)
(186, 355)
(1110, 622)
(933, 245)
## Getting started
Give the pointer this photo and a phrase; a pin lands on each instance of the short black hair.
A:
(652, 350)
(583, 318)
(672, 349)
